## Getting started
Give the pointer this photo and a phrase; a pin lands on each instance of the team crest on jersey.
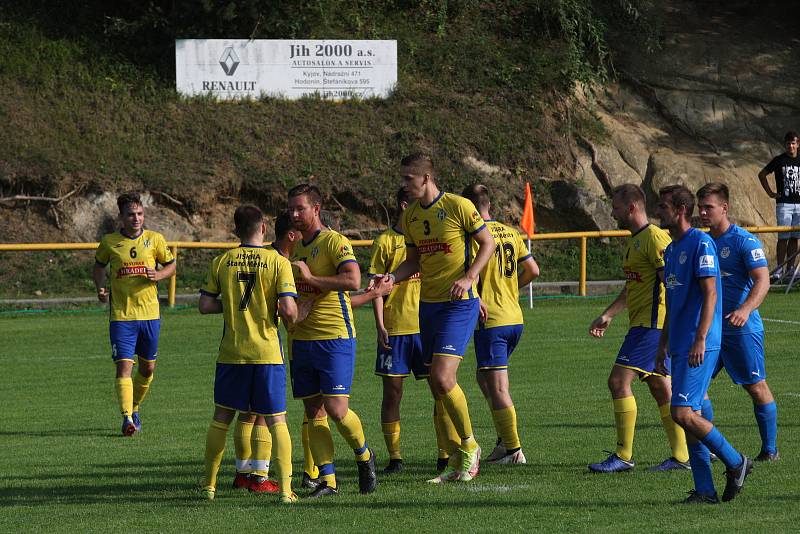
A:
(441, 214)
(682, 257)
(725, 252)
(672, 281)
(314, 252)
(146, 243)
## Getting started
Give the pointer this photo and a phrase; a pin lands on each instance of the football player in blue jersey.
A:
(693, 332)
(745, 283)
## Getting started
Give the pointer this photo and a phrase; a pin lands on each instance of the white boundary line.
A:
(780, 321)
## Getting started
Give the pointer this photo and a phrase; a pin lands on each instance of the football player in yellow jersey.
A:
(438, 227)
(254, 285)
(324, 344)
(501, 326)
(399, 351)
(643, 295)
(132, 254)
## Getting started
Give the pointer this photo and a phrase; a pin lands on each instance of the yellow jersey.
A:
(498, 286)
(331, 317)
(401, 307)
(133, 296)
(440, 232)
(250, 280)
(644, 257)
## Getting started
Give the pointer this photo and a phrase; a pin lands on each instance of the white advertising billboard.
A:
(240, 68)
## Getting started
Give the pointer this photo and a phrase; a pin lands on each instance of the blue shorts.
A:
(404, 356)
(742, 356)
(134, 337)
(323, 367)
(690, 384)
(258, 388)
(445, 327)
(638, 352)
(493, 346)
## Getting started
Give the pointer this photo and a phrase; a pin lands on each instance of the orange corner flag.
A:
(527, 222)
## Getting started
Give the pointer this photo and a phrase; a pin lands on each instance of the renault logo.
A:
(229, 61)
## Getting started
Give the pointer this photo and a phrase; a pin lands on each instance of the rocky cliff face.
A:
(712, 105)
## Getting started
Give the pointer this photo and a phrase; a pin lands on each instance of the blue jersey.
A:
(685, 263)
(739, 253)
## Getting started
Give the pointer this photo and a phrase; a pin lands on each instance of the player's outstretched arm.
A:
(209, 304)
(385, 282)
(528, 270)
(601, 323)
(348, 278)
(99, 277)
(760, 277)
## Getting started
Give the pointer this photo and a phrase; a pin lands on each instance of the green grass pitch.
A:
(63, 465)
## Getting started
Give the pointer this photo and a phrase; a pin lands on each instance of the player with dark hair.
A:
(132, 253)
(437, 228)
(786, 168)
(643, 295)
(254, 285)
(501, 325)
(324, 344)
(693, 332)
(745, 283)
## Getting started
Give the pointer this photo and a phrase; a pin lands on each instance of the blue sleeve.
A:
(706, 261)
(752, 254)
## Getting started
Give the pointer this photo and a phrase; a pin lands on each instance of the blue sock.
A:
(717, 444)
(700, 460)
(767, 419)
(707, 410)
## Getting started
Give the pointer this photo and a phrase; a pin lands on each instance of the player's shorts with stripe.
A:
(446, 327)
(258, 388)
(493, 346)
(403, 357)
(742, 356)
(129, 338)
(638, 352)
(323, 367)
(690, 384)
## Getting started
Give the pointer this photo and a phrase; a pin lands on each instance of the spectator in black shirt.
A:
(786, 168)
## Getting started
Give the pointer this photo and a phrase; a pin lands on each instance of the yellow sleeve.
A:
(341, 251)
(468, 216)
(285, 287)
(377, 262)
(163, 253)
(656, 248)
(103, 254)
(212, 287)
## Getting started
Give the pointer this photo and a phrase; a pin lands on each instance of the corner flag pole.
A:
(527, 224)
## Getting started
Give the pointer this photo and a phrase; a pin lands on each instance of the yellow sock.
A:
(321, 441)
(141, 385)
(261, 442)
(215, 447)
(441, 438)
(505, 422)
(451, 441)
(625, 419)
(282, 457)
(456, 404)
(124, 387)
(676, 435)
(352, 432)
(391, 435)
(241, 443)
(308, 459)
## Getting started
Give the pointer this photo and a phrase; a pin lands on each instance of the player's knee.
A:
(616, 385)
(682, 415)
(759, 392)
(442, 384)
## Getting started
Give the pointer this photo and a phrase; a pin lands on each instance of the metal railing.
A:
(174, 246)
